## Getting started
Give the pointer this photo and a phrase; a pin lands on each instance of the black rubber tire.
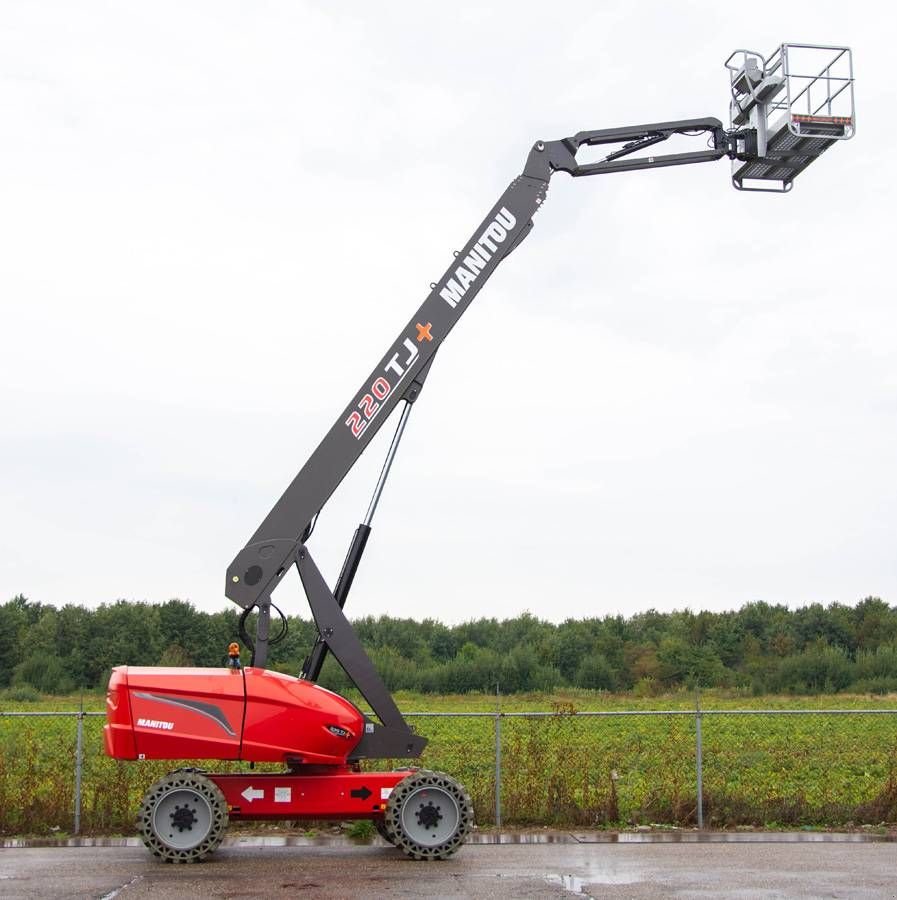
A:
(209, 799)
(413, 786)
(383, 831)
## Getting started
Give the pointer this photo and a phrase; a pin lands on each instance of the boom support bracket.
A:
(391, 739)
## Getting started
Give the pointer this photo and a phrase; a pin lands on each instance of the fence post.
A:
(497, 757)
(699, 761)
(79, 748)
(498, 770)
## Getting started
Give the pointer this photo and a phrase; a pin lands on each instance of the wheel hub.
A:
(183, 817)
(428, 815)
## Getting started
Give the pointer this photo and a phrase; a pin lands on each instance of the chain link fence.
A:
(698, 767)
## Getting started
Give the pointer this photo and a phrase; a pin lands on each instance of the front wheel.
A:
(183, 817)
(428, 815)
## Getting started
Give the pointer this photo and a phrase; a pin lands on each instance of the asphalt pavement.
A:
(557, 866)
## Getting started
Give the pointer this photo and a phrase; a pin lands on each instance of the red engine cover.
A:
(289, 717)
(249, 714)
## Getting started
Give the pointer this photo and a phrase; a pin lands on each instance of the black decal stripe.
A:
(209, 710)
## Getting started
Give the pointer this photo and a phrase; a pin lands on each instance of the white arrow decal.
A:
(252, 793)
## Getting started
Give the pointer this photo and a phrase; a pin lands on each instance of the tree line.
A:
(761, 647)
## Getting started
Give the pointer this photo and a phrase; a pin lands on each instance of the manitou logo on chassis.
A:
(155, 723)
(480, 253)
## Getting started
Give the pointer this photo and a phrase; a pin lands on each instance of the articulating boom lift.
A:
(255, 715)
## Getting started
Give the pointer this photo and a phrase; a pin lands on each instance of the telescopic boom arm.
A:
(400, 374)
(280, 540)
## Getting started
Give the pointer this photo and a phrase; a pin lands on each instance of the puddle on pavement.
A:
(568, 882)
(576, 884)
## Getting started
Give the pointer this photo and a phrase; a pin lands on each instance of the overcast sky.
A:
(215, 218)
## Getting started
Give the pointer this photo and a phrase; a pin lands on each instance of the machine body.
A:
(253, 715)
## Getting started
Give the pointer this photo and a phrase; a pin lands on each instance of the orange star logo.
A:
(423, 332)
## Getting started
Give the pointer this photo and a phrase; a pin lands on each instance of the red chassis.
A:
(256, 715)
(340, 793)
(252, 715)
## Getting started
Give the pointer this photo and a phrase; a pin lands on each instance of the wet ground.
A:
(683, 864)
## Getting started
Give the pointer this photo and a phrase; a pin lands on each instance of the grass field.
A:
(562, 769)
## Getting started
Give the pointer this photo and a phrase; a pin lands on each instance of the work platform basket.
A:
(800, 102)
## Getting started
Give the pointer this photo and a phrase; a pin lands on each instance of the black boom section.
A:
(280, 540)
(257, 567)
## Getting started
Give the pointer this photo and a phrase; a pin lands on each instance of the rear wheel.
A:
(429, 815)
(183, 817)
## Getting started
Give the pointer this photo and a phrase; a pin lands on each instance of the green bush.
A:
(646, 687)
(20, 693)
(361, 828)
(821, 669)
(879, 665)
(879, 685)
(45, 672)
(596, 673)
